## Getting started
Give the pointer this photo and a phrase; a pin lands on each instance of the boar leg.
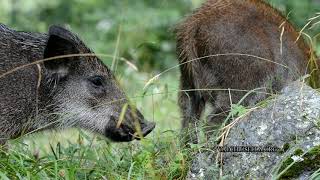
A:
(191, 106)
(219, 113)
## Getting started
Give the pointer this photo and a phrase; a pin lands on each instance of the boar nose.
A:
(146, 128)
(149, 126)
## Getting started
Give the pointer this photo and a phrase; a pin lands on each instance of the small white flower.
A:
(297, 158)
(201, 172)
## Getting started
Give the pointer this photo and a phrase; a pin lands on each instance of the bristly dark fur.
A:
(59, 93)
(240, 27)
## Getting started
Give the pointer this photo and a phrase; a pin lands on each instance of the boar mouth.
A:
(125, 134)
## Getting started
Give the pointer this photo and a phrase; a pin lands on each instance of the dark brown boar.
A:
(236, 45)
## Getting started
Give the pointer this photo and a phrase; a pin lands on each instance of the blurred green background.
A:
(141, 31)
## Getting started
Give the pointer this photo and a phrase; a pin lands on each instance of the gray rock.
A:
(290, 122)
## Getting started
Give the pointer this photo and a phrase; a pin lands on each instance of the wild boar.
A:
(240, 45)
(71, 91)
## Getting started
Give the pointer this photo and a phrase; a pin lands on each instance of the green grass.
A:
(91, 157)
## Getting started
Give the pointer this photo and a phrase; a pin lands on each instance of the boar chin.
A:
(118, 137)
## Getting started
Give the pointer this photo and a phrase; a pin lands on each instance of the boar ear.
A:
(60, 42)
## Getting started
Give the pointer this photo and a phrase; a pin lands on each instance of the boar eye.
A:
(97, 80)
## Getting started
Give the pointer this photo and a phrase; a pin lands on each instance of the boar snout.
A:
(129, 128)
(146, 128)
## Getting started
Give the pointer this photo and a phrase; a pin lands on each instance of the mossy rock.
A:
(310, 162)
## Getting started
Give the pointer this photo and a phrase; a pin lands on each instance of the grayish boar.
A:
(66, 92)
(244, 28)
